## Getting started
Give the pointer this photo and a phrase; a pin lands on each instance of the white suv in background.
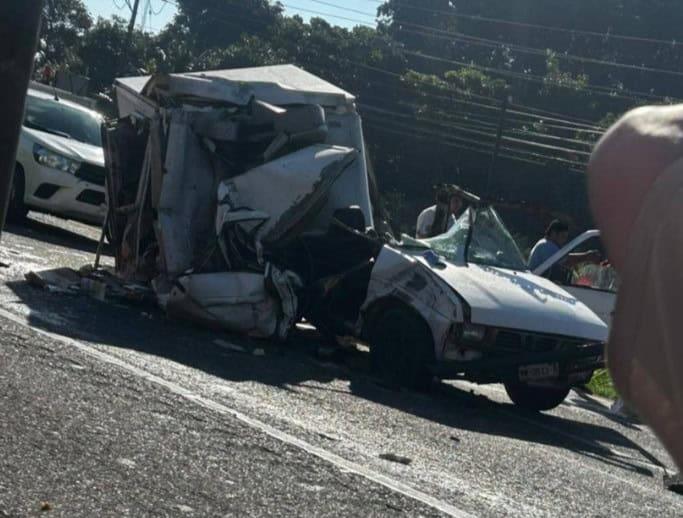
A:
(60, 161)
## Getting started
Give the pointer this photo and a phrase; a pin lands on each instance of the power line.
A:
(466, 127)
(329, 15)
(474, 121)
(447, 140)
(466, 130)
(597, 89)
(489, 43)
(121, 7)
(418, 111)
(476, 40)
(582, 124)
(568, 119)
(572, 32)
(161, 9)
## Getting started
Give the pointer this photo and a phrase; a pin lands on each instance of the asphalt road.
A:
(141, 415)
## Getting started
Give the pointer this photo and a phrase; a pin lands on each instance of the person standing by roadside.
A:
(556, 236)
(439, 218)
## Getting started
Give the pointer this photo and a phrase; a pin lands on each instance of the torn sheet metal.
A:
(278, 85)
(62, 280)
(298, 185)
(186, 208)
(230, 168)
(398, 276)
(238, 301)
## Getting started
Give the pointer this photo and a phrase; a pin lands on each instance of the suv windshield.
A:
(490, 243)
(61, 119)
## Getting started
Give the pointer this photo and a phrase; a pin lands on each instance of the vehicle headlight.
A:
(473, 333)
(54, 160)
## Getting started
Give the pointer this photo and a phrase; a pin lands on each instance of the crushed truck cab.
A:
(243, 197)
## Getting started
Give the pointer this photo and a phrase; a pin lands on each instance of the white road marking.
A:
(336, 460)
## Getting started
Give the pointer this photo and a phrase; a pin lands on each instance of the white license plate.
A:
(539, 371)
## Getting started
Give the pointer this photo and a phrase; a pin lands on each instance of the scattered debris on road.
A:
(230, 347)
(674, 483)
(391, 457)
(93, 288)
(98, 284)
(59, 279)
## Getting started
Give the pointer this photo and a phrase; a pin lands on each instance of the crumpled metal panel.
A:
(279, 85)
(352, 189)
(235, 301)
(297, 189)
(238, 301)
(401, 277)
(186, 209)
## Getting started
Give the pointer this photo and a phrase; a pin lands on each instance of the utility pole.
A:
(133, 17)
(19, 26)
(496, 149)
(122, 60)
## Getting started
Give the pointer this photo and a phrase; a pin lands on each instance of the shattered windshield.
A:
(490, 241)
(452, 244)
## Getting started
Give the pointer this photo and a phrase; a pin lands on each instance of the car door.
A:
(594, 285)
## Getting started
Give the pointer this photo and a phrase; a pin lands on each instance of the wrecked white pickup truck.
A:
(244, 198)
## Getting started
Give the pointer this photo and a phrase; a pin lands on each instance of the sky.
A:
(163, 12)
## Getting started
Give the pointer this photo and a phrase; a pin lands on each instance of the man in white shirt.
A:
(437, 219)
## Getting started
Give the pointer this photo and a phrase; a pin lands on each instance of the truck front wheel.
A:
(536, 398)
(402, 349)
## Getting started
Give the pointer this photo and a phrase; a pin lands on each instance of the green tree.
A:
(65, 23)
(105, 55)
(407, 21)
(215, 24)
(250, 51)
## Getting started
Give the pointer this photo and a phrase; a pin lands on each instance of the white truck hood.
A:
(70, 148)
(521, 300)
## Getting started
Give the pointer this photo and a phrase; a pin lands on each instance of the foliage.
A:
(555, 77)
(65, 22)
(249, 51)
(601, 385)
(220, 23)
(406, 20)
(105, 52)
(473, 81)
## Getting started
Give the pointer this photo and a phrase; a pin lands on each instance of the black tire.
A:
(535, 398)
(17, 210)
(402, 349)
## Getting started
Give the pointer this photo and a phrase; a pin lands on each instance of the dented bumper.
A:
(493, 369)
